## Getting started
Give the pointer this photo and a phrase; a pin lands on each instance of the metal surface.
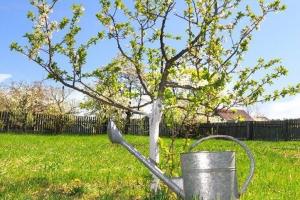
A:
(244, 146)
(116, 137)
(178, 181)
(114, 134)
(209, 175)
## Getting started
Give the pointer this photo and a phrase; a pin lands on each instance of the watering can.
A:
(205, 175)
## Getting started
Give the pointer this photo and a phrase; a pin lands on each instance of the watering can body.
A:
(209, 175)
(205, 175)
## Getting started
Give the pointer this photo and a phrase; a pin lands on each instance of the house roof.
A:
(234, 115)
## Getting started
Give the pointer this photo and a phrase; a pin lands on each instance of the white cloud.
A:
(4, 77)
(76, 96)
(286, 109)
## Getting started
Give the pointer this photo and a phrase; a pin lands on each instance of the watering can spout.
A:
(116, 137)
(114, 134)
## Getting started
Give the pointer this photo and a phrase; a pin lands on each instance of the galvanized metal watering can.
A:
(205, 175)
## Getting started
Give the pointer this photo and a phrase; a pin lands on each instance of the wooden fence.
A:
(50, 124)
(274, 130)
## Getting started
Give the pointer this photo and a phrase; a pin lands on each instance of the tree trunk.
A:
(127, 122)
(155, 118)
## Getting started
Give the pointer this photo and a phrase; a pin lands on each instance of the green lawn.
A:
(89, 167)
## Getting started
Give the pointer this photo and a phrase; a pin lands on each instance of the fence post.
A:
(8, 120)
(250, 130)
(286, 130)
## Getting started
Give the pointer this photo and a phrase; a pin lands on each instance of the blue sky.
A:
(279, 36)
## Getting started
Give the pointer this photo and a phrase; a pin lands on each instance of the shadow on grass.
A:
(41, 188)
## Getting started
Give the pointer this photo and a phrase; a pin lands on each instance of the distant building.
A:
(232, 115)
(261, 118)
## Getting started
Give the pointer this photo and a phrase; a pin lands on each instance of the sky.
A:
(279, 36)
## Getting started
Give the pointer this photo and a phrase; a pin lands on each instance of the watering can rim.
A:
(208, 152)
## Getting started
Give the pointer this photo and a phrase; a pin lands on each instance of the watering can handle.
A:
(243, 145)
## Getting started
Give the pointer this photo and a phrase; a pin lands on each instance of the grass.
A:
(89, 167)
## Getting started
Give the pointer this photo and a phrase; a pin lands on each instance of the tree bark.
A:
(155, 118)
(127, 122)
